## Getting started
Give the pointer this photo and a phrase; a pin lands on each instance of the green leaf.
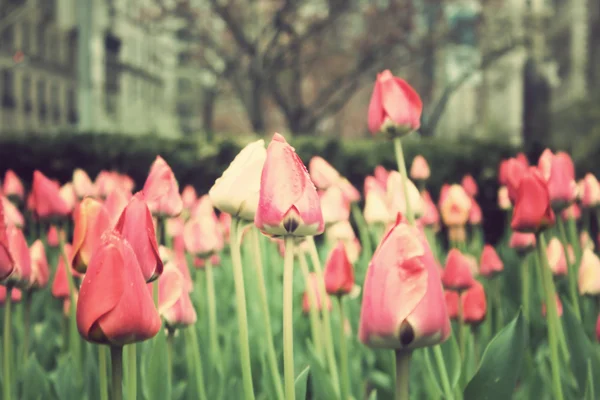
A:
(301, 383)
(34, 381)
(452, 361)
(179, 391)
(155, 385)
(590, 390)
(373, 395)
(321, 381)
(67, 383)
(500, 366)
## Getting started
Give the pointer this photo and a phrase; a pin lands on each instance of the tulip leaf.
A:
(373, 395)
(67, 380)
(500, 365)
(155, 366)
(451, 359)
(34, 381)
(581, 350)
(179, 391)
(321, 381)
(301, 383)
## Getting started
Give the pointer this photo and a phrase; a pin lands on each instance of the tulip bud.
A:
(589, 191)
(503, 199)
(455, 206)
(351, 193)
(490, 264)
(532, 211)
(11, 213)
(334, 206)
(12, 186)
(313, 286)
(91, 221)
(475, 213)
(395, 108)
(589, 274)
(403, 301)
(376, 209)
(82, 184)
(288, 203)
(457, 274)
(202, 236)
(571, 212)
(115, 203)
(469, 185)
(174, 303)
(161, 190)
(322, 173)
(339, 273)
(396, 198)
(431, 216)
(40, 272)
(60, 285)
(419, 169)
(15, 295)
(511, 172)
(474, 304)
(559, 172)
(556, 257)
(46, 201)
(115, 306)
(451, 298)
(15, 261)
(237, 191)
(53, 237)
(381, 176)
(522, 242)
(188, 197)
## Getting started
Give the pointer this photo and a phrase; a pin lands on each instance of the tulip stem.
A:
(402, 374)
(116, 359)
(26, 322)
(131, 371)
(102, 367)
(439, 359)
(526, 285)
(195, 352)
(240, 296)
(551, 315)
(499, 316)
(315, 322)
(345, 379)
(461, 328)
(212, 314)
(363, 231)
(572, 279)
(74, 340)
(329, 346)
(170, 333)
(402, 169)
(264, 303)
(7, 381)
(288, 319)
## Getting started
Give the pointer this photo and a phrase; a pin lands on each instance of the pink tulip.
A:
(490, 263)
(12, 186)
(339, 273)
(419, 169)
(161, 190)
(458, 273)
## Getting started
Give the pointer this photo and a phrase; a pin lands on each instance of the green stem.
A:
(288, 319)
(552, 317)
(439, 359)
(570, 270)
(26, 322)
(7, 383)
(240, 297)
(170, 357)
(264, 302)
(116, 359)
(499, 316)
(131, 371)
(102, 368)
(74, 340)
(461, 329)
(363, 231)
(402, 169)
(345, 376)
(315, 323)
(329, 344)
(402, 374)
(526, 284)
(212, 314)
(195, 354)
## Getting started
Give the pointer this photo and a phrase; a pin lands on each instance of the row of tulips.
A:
(155, 277)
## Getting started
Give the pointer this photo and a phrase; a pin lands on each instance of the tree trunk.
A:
(208, 112)
(255, 107)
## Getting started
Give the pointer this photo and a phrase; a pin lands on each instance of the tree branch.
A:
(234, 27)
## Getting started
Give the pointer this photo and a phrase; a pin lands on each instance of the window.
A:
(41, 41)
(55, 101)
(8, 89)
(27, 106)
(112, 46)
(72, 117)
(41, 99)
(26, 37)
(72, 50)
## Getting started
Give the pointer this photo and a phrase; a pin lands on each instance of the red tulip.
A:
(288, 203)
(91, 221)
(571, 212)
(161, 190)
(419, 169)
(511, 172)
(395, 107)
(490, 263)
(532, 211)
(339, 273)
(114, 305)
(322, 173)
(82, 184)
(470, 186)
(522, 242)
(474, 304)
(15, 295)
(334, 206)
(457, 274)
(313, 286)
(115, 203)
(40, 273)
(475, 213)
(188, 197)
(589, 191)
(15, 261)
(403, 301)
(11, 213)
(52, 236)
(106, 182)
(202, 235)
(12, 186)
(559, 172)
(46, 201)
(174, 303)
(137, 227)
(451, 298)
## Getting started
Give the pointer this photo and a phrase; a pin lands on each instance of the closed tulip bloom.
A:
(136, 226)
(589, 274)
(15, 295)
(174, 303)
(431, 216)
(52, 236)
(503, 199)
(468, 183)
(451, 298)
(532, 212)
(82, 184)
(67, 193)
(395, 108)
(376, 208)
(237, 191)
(455, 206)
(225, 222)
(419, 169)
(511, 172)
(179, 258)
(381, 176)
(115, 306)
(323, 174)
(60, 285)
(475, 213)
(589, 191)
(46, 201)
(19, 252)
(115, 203)
(106, 182)
(203, 207)
(313, 286)
(339, 273)
(559, 307)
(559, 172)
(174, 226)
(444, 190)
(396, 198)
(522, 242)
(340, 231)
(161, 190)
(334, 206)
(586, 241)
(11, 213)
(91, 220)
(202, 236)
(490, 264)
(288, 203)
(188, 197)
(12, 186)
(40, 273)
(350, 192)
(353, 249)
(403, 304)
(457, 274)
(571, 212)
(474, 304)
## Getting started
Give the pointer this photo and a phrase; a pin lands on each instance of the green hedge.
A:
(198, 163)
